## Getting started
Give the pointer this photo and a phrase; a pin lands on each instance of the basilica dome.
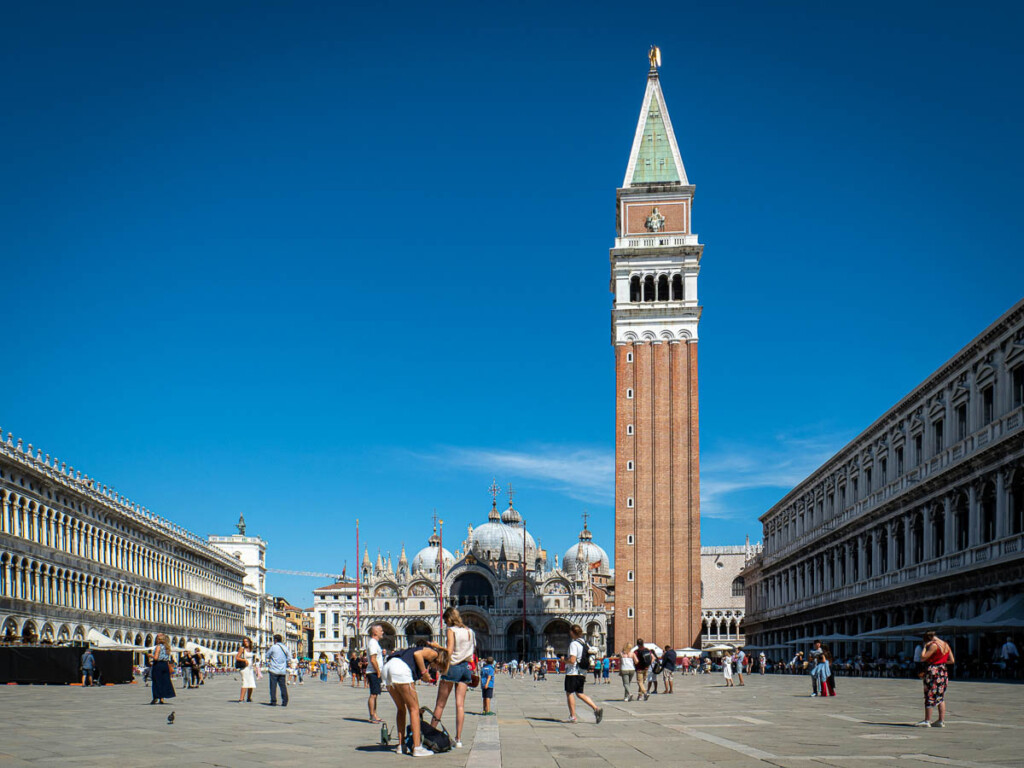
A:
(502, 531)
(426, 558)
(586, 553)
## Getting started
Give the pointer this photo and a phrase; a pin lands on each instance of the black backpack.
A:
(584, 661)
(434, 739)
(643, 658)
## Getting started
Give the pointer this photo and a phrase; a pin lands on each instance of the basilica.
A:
(501, 581)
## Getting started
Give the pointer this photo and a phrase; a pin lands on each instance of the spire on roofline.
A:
(655, 157)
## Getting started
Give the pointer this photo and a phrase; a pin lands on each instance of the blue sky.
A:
(320, 261)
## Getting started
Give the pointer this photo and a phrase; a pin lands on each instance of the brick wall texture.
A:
(664, 486)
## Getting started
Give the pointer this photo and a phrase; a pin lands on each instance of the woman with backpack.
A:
(461, 649)
(400, 673)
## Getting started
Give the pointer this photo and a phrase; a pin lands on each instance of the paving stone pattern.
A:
(770, 721)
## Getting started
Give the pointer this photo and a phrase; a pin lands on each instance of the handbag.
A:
(239, 664)
(474, 668)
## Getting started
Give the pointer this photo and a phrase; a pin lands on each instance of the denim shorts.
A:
(458, 673)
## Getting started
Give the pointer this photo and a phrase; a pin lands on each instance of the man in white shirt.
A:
(375, 661)
(576, 678)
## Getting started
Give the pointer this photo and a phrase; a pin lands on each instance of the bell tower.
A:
(654, 268)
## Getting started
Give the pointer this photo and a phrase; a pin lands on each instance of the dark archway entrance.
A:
(481, 631)
(472, 589)
(518, 645)
(556, 636)
(416, 631)
(388, 642)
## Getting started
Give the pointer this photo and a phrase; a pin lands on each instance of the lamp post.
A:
(525, 652)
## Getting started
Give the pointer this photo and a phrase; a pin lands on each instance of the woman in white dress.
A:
(245, 654)
(727, 670)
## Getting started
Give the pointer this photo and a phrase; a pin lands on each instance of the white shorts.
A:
(396, 672)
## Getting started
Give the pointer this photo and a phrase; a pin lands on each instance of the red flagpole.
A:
(440, 582)
(358, 582)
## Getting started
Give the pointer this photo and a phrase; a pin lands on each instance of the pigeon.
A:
(170, 719)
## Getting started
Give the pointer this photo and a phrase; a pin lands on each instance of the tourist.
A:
(353, 667)
(401, 672)
(762, 662)
(814, 657)
(461, 648)
(277, 666)
(936, 655)
(740, 658)
(321, 663)
(668, 669)
(160, 660)
(245, 655)
(654, 672)
(293, 671)
(597, 671)
(575, 678)
(831, 676)
(88, 665)
(606, 669)
(627, 671)
(642, 659)
(727, 670)
(374, 670)
(487, 684)
(1009, 654)
(341, 663)
(820, 673)
(686, 665)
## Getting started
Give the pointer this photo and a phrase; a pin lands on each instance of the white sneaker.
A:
(939, 724)
(422, 752)
(458, 745)
(923, 724)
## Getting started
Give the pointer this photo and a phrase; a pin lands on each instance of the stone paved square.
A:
(770, 721)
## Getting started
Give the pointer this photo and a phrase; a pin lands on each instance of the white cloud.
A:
(584, 474)
(588, 474)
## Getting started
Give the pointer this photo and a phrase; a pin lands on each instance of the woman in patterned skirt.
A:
(936, 655)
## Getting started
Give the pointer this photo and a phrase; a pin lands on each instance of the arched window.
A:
(423, 605)
(663, 288)
(961, 518)
(387, 606)
(737, 586)
(634, 288)
(1017, 503)
(677, 288)
(649, 288)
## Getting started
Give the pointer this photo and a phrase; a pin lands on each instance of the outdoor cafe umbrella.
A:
(687, 652)
(719, 648)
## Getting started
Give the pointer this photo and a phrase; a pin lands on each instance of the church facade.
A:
(654, 268)
(518, 605)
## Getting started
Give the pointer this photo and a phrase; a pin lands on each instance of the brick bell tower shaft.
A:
(654, 268)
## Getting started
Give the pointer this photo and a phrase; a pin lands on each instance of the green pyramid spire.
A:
(655, 161)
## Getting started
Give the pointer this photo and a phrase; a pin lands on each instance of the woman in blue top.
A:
(161, 664)
(821, 673)
(606, 668)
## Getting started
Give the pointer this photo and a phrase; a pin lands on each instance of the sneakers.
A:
(628, 698)
(939, 724)
(458, 745)
(598, 715)
(923, 724)
(647, 696)
(422, 752)
(571, 720)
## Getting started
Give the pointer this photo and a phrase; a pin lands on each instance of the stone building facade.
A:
(487, 579)
(723, 593)
(654, 268)
(919, 519)
(78, 561)
(261, 619)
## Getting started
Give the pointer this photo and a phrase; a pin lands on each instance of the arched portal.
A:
(556, 636)
(481, 630)
(28, 632)
(520, 644)
(418, 630)
(390, 635)
(472, 589)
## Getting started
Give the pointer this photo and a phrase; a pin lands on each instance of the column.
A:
(949, 527)
(908, 540)
(973, 516)
(928, 532)
(1002, 507)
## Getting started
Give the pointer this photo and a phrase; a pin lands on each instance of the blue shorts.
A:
(374, 681)
(488, 693)
(458, 673)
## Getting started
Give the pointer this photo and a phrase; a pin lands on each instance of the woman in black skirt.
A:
(160, 659)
